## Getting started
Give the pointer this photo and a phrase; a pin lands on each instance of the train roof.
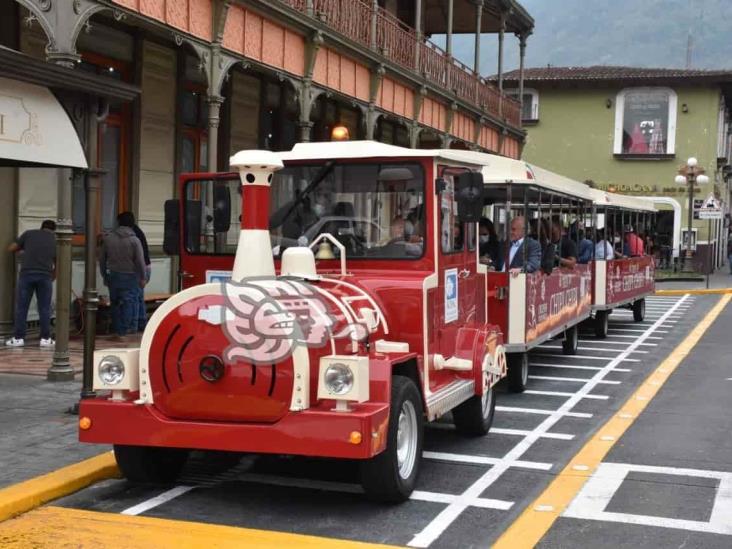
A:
(603, 198)
(495, 169)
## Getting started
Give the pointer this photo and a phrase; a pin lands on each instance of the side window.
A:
(451, 236)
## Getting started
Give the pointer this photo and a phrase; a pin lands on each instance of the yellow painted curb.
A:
(24, 496)
(61, 527)
(536, 520)
(711, 291)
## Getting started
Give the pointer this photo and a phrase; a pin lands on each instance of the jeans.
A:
(141, 309)
(123, 292)
(42, 285)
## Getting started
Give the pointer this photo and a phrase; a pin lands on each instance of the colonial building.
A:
(217, 76)
(629, 130)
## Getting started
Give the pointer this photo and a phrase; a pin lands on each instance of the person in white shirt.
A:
(603, 248)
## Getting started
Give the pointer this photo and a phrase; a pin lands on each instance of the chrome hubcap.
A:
(406, 440)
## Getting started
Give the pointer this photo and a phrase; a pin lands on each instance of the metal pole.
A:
(418, 28)
(214, 108)
(92, 184)
(501, 35)
(522, 59)
(61, 369)
(711, 264)
(450, 14)
(691, 179)
(478, 25)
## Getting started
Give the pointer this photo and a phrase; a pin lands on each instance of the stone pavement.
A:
(37, 433)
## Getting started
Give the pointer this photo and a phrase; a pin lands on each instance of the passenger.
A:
(633, 246)
(518, 243)
(586, 248)
(489, 245)
(603, 248)
(540, 233)
(567, 256)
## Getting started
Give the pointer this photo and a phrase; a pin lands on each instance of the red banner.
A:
(556, 299)
(628, 279)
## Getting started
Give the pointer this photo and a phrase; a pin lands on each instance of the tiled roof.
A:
(602, 72)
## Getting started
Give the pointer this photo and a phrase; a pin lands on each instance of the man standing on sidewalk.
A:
(37, 271)
(141, 309)
(123, 268)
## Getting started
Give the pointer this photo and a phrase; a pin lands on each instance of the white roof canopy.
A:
(35, 129)
(625, 202)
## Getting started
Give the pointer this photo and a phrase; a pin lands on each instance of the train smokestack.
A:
(254, 252)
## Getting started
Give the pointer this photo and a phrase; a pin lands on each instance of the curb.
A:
(711, 291)
(27, 495)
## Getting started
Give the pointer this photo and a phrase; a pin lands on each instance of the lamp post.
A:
(690, 174)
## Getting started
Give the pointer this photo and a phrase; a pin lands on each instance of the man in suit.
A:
(519, 241)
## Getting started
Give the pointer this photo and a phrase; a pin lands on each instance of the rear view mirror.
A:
(469, 191)
(171, 227)
(222, 207)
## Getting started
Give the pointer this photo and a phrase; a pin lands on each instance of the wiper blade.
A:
(279, 217)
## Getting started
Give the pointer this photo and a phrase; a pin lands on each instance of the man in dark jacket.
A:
(141, 308)
(37, 271)
(122, 263)
(519, 241)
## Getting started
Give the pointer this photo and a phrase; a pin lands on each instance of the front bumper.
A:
(318, 431)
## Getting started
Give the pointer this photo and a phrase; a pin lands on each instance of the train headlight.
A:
(344, 378)
(111, 370)
(117, 370)
(338, 379)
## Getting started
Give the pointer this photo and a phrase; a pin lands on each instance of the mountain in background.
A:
(639, 33)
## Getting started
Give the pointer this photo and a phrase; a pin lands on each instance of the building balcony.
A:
(379, 30)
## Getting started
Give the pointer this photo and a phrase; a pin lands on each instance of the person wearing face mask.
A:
(489, 245)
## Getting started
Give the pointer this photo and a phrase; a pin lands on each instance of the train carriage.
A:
(624, 269)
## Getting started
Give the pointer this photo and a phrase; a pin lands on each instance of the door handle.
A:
(465, 273)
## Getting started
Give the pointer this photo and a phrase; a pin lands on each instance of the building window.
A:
(112, 153)
(645, 122)
(194, 114)
(529, 104)
(330, 112)
(278, 116)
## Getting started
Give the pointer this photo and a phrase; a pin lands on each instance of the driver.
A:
(398, 246)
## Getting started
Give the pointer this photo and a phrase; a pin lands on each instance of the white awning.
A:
(35, 129)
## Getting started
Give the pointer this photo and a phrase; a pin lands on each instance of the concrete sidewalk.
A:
(38, 433)
(720, 279)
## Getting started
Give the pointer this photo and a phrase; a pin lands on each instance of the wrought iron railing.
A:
(373, 27)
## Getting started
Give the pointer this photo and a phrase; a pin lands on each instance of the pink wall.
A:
(341, 73)
(488, 138)
(395, 97)
(434, 114)
(253, 36)
(463, 127)
(510, 147)
(191, 16)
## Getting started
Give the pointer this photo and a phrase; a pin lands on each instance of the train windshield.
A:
(374, 210)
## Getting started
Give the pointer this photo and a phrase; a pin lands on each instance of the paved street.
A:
(673, 464)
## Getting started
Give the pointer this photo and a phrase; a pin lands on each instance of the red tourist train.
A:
(338, 304)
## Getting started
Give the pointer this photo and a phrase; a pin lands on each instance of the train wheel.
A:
(391, 475)
(601, 324)
(639, 310)
(474, 417)
(571, 341)
(150, 465)
(518, 372)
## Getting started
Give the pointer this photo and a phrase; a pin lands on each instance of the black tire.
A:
(639, 310)
(571, 341)
(149, 464)
(601, 324)
(474, 417)
(380, 476)
(518, 372)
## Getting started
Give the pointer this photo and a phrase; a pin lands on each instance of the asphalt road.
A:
(471, 490)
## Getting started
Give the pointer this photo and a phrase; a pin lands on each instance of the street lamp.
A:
(690, 174)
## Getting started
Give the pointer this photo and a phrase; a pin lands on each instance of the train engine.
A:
(298, 363)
